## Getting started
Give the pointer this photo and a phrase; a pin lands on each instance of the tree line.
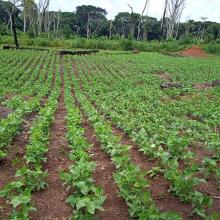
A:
(35, 19)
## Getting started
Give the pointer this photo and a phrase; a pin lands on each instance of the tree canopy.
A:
(91, 21)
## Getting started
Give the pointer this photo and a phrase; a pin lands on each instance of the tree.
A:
(11, 8)
(174, 10)
(28, 5)
(142, 19)
(89, 18)
(42, 7)
(162, 28)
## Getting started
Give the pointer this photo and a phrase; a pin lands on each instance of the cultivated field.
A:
(95, 136)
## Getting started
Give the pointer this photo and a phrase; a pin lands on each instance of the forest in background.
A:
(35, 24)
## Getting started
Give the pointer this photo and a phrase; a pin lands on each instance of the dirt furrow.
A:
(50, 203)
(159, 186)
(14, 160)
(115, 207)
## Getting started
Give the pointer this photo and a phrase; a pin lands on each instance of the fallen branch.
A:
(170, 85)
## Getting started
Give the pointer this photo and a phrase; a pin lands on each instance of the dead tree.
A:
(132, 22)
(88, 32)
(110, 29)
(174, 10)
(42, 8)
(162, 28)
(204, 19)
(11, 9)
(141, 20)
(27, 5)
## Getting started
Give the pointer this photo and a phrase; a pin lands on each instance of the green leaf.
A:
(17, 200)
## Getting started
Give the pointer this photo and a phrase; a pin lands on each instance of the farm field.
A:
(96, 137)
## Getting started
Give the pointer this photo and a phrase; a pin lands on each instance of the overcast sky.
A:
(194, 8)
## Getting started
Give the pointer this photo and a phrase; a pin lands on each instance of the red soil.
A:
(13, 161)
(4, 112)
(194, 51)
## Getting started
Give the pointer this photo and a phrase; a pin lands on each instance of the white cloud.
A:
(194, 8)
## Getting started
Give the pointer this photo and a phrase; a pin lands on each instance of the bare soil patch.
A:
(194, 51)
(4, 112)
(207, 85)
(115, 207)
(164, 75)
(200, 153)
(202, 86)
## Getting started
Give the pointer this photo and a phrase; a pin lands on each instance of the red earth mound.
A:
(194, 51)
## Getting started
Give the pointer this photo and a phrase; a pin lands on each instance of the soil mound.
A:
(194, 51)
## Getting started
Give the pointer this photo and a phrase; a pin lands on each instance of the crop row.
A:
(165, 145)
(131, 180)
(31, 176)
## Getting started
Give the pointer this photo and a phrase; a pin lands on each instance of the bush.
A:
(212, 48)
(126, 44)
(112, 44)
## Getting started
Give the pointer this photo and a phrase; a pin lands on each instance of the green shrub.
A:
(126, 44)
(212, 48)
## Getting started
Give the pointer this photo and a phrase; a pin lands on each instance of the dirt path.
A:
(50, 203)
(115, 206)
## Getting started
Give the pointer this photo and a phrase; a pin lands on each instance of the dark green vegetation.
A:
(156, 149)
(70, 30)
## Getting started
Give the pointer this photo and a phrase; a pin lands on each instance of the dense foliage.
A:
(91, 21)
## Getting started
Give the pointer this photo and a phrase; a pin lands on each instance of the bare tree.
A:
(27, 6)
(11, 9)
(42, 8)
(132, 21)
(204, 19)
(174, 10)
(141, 20)
(88, 32)
(162, 28)
(110, 29)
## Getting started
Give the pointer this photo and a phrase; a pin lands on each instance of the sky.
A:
(194, 8)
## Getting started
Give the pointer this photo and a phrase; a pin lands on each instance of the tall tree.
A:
(12, 9)
(89, 18)
(142, 19)
(28, 5)
(174, 13)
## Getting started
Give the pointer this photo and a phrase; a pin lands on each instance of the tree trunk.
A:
(141, 20)
(218, 34)
(14, 31)
(162, 32)
(110, 30)
(25, 21)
